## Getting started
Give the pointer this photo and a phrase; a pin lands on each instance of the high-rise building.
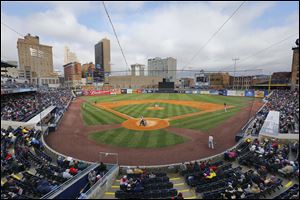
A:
(165, 68)
(295, 67)
(36, 61)
(137, 70)
(102, 55)
(69, 56)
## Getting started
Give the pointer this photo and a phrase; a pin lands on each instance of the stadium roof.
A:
(6, 65)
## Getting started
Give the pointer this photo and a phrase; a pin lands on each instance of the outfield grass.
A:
(206, 121)
(123, 137)
(202, 122)
(174, 96)
(95, 116)
(170, 110)
(137, 139)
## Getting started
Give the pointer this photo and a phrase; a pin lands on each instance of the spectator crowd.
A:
(26, 170)
(287, 103)
(23, 106)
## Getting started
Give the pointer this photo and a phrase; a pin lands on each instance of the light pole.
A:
(234, 59)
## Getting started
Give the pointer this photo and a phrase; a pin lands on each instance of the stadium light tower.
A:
(234, 59)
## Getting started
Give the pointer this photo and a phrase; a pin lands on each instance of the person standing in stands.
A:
(211, 142)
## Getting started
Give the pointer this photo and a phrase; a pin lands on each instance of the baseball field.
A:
(189, 111)
(177, 127)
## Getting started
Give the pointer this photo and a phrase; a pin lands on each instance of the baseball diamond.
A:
(150, 100)
(176, 133)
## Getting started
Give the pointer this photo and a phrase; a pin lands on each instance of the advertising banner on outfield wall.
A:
(195, 92)
(188, 92)
(138, 91)
(123, 91)
(95, 92)
(223, 92)
(214, 92)
(129, 91)
(204, 92)
(240, 93)
(259, 93)
(231, 93)
(249, 93)
(115, 91)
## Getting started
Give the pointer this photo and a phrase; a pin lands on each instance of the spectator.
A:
(182, 167)
(179, 196)
(287, 170)
(92, 178)
(103, 167)
(124, 181)
(138, 187)
(73, 171)
(66, 174)
(137, 170)
(151, 175)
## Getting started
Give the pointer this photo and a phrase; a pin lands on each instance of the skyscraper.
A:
(102, 55)
(165, 68)
(69, 56)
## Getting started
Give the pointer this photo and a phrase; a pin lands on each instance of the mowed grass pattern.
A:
(202, 122)
(206, 121)
(137, 139)
(170, 110)
(233, 101)
(158, 138)
(95, 116)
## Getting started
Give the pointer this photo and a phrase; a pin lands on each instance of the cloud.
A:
(173, 29)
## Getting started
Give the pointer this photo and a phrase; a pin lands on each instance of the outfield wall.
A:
(237, 93)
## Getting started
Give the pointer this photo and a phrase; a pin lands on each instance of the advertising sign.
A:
(188, 92)
(98, 74)
(129, 91)
(123, 91)
(204, 92)
(240, 93)
(138, 91)
(223, 92)
(115, 91)
(231, 93)
(249, 93)
(95, 92)
(259, 93)
(214, 92)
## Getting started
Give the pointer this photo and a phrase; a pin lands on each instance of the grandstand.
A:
(156, 131)
(32, 169)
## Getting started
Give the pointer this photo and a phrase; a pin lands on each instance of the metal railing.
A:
(98, 189)
(66, 184)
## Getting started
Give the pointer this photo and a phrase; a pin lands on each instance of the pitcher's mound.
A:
(152, 124)
(155, 108)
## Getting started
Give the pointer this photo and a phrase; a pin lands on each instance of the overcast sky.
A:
(159, 29)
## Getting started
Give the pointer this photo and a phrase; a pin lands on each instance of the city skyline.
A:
(159, 29)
